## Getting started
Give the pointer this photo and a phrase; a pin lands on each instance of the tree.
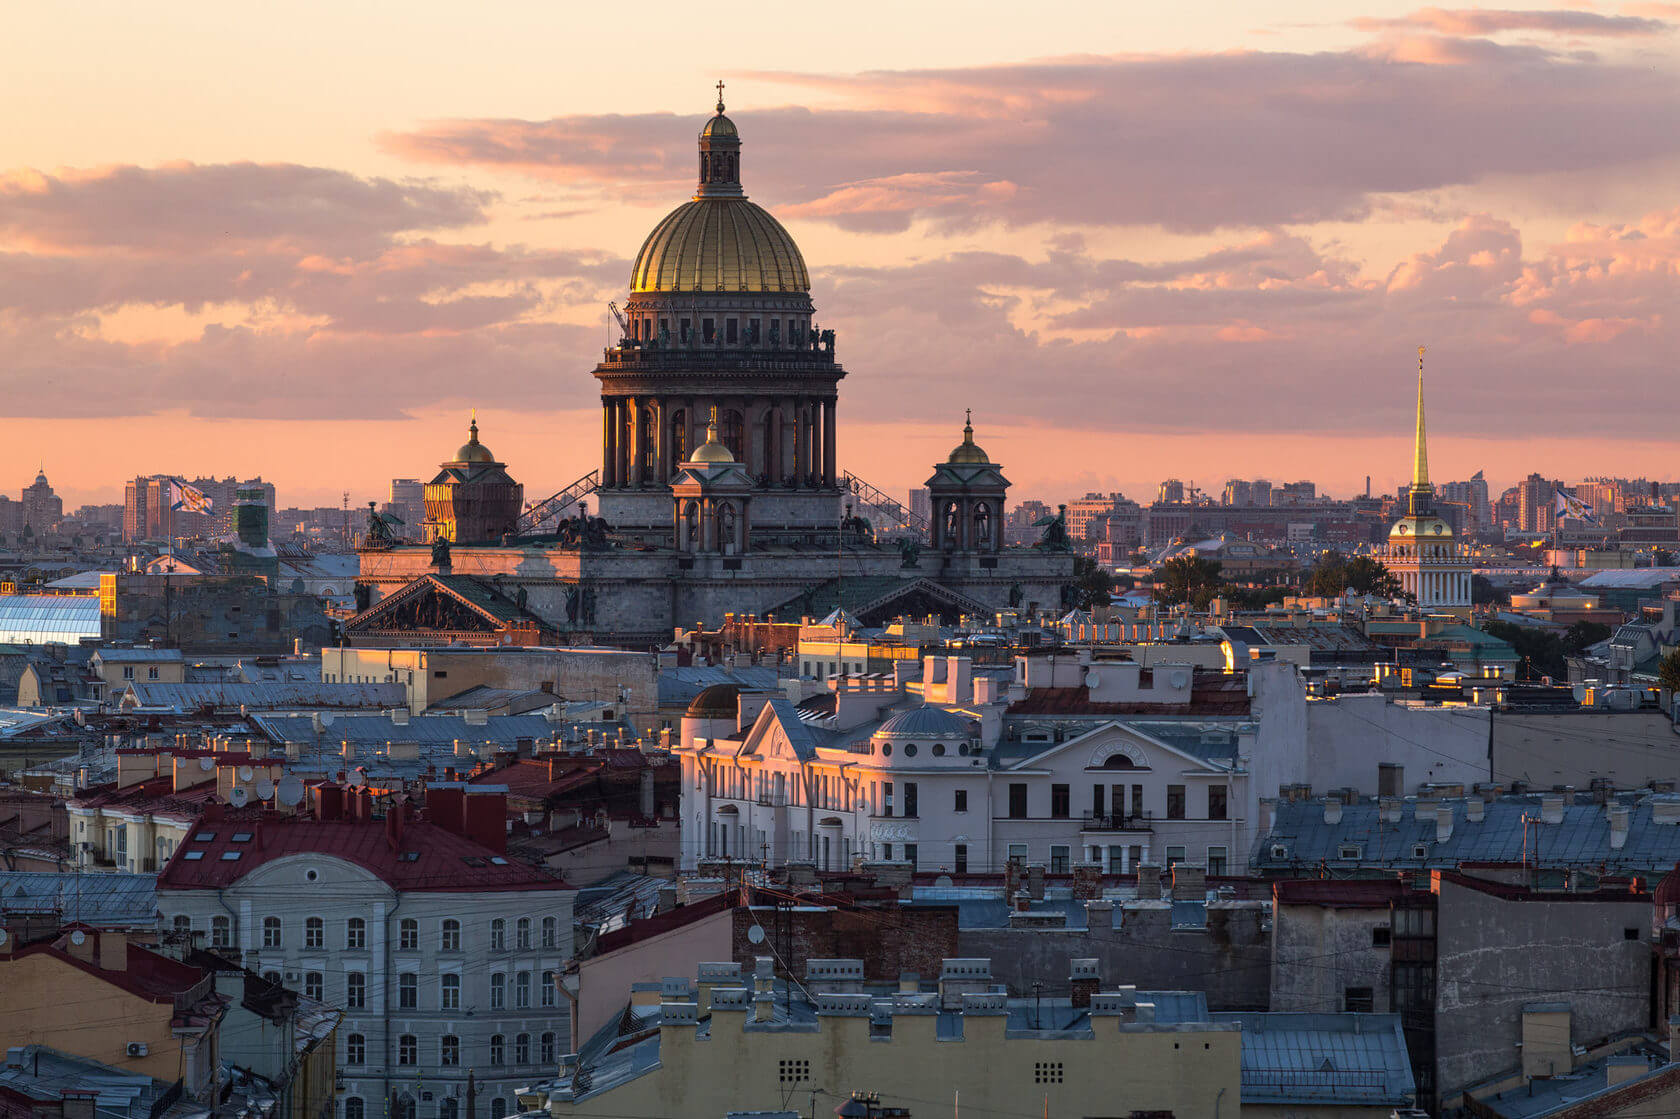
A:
(1668, 672)
(1187, 579)
(1335, 573)
(1582, 634)
(1662, 557)
(1540, 652)
(1092, 584)
(1484, 593)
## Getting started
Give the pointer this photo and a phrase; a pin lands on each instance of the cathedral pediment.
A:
(439, 609)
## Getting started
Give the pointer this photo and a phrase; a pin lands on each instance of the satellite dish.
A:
(265, 789)
(353, 779)
(289, 792)
(246, 773)
(207, 764)
(238, 796)
(756, 935)
(78, 937)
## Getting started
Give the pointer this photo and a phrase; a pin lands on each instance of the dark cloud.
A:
(1189, 142)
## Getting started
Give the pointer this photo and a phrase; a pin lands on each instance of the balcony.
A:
(1139, 821)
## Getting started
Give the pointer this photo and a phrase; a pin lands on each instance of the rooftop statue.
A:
(1055, 535)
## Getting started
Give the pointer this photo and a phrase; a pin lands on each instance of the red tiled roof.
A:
(147, 974)
(530, 777)
(644, 927)
(427, 857)
(1209, 695)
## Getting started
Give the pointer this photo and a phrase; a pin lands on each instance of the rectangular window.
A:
(221, 935)
(449, 992)
(962, 858)
(408, 991)
(1047, 1072)
(1218, 861)
(687, 326)
(1175, 802)
(1117, 859)
(498, 991)
(355, 990)
(1058, 860)
(1380, 936)
(1060, 802)
(961, 801)
(314, 985)
(887, 851)
(1017, 800)
(911, 804)
(522, 991)
(910, 855)
(1175, 855)
(886, 798)
(408, 938)
(1357, 1000)
(1018, 852)
(1137, 800)
(731, 331)
(1096, 800)
(708, 330)
(1216, 802)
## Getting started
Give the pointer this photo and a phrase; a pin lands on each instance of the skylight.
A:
(193, 856)
(204, 837)
(241, 837)
(231, 856)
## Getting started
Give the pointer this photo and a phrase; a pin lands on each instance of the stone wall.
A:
(889, 941)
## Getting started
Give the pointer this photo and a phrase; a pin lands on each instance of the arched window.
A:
(450, 938)
(678, 427)
(732, 432)
(447, 1108)
(353, 1107)
(355, 1049)
(726, 526)
(546, 1052)
(522, 990)
(1118, 761)
(183, 924)
(550, 932)
(982, 525)
(271, 932)
(355, 933)
(498, 991)
(498, 1050)
(314, 932)
(404, 1108)
(449, 1051)
(548, 994)
(498, 935)
(498, 1108)
(522, 934)
(522, 1049)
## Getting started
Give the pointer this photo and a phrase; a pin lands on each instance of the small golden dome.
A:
(968, 450)
(713, 450)
(719, 244)
(472, 450)
(720, 127)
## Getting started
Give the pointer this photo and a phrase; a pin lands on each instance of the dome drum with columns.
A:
(719, 318)
(472, 499)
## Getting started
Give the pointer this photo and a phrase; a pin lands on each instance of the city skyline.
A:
(1050, 240)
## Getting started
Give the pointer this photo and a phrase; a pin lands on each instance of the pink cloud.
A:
(1493, 21)
(1188, 142)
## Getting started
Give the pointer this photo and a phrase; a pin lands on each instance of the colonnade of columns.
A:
(781, 441)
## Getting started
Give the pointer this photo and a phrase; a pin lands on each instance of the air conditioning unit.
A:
(137, 1049)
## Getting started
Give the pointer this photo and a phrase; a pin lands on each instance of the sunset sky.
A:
(1199, 239)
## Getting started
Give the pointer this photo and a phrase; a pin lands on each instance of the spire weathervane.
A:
(720, 98)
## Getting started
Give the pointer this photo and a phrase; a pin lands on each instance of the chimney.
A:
(81, 942)
(113, 950)
(1618, 826)
(1390, 809)
(486, 820)
(399, 716)
(1391, 779)
(1443, 821)
(1623, 1068)
(1475, 809)
(1551, 808)
(78, 1103)
(1149, 881)
(447, 809)
(1084, 979)
(647, 802)
(1189, 883)
(394, 823)
(1332, 810)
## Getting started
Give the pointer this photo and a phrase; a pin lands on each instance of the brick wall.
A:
(889, 942)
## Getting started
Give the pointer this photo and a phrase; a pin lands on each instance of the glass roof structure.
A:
(30, 619)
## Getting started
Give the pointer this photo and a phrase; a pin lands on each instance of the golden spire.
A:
(472, 426)
(1420, 454)
(968, 425)
(720, 98)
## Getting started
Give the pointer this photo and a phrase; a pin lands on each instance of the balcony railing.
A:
(1136, 821)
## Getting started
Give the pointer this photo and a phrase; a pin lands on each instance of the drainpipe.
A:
(385, 1008)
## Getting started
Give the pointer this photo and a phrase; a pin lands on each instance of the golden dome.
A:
(719, 244)
(713, 450)
(720, 127)
(472, 450)
(968, 450)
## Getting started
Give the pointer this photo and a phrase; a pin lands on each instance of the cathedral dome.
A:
(721, 244)
(720, 127)
(713, 450)
(968, 450)
(472, 450)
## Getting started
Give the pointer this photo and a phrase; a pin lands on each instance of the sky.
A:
(1200, 240)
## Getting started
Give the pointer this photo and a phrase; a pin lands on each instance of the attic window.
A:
(193, 856)
(1420, 851)
(241, 837)
(472, 860)
(497, 860)
(231, 856)
(204, 837)
(409, 857)
(1348, 851)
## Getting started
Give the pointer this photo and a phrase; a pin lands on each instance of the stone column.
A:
(661, 471)
(831, 472)
(633, 412)
(609, 445)
(790, 439)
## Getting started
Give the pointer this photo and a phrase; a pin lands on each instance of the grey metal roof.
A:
(1511, 832)
(1547, 1094)
(681, 684)
(104, 900)
(40, 1073)
(139, 656)
(928, 722)
(31, 619)
(306, 695)
(1323, 1058)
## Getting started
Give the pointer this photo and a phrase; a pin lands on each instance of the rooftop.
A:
(104, 900)
(1306, 1059)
